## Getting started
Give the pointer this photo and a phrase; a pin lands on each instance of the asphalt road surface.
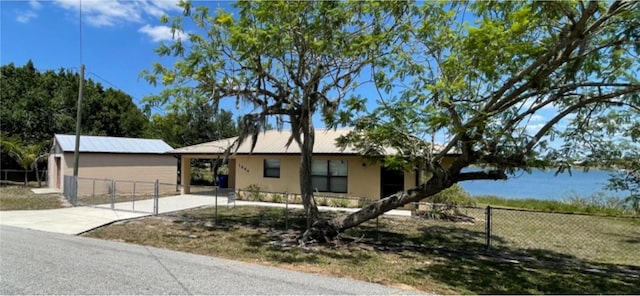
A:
(35, 262)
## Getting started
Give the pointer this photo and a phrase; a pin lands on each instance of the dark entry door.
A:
(391, 181)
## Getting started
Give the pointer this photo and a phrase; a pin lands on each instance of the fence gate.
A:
(120, 195)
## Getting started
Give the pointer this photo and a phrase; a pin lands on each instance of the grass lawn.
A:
(427, 255)
(547, 205)
(20, 198)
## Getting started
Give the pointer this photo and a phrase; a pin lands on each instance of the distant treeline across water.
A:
(545, 185)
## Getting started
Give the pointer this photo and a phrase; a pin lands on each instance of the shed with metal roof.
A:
(112, 158)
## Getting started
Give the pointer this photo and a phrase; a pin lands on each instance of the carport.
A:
(209, 150)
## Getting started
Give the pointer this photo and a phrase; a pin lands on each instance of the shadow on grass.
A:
(453, 255)
(514, 271)
(492, 274)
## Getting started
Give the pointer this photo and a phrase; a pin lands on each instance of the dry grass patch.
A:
(415, 255)
(14, 198)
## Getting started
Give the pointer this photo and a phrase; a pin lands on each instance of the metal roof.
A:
(112, 144)
(275, 142)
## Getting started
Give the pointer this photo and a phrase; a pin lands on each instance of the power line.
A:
(137, 101)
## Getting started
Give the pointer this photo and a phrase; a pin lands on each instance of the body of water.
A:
(544, 185)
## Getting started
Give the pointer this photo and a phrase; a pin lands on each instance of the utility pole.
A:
(76, 154)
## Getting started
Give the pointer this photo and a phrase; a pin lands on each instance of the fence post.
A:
(156, 195)
(378, 228)
(286, 210)
(133, 198)
(216, 206)
(74, 191)
(93, 193)
(488, 228)
(113, 194)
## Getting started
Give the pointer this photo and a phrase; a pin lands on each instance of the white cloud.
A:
(26, 16)
(536, 117)
(534, 128)
(160, 33)
(102, 13)
(35, 4)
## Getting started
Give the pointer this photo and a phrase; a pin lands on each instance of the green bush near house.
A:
(339, 202)
(454, 195)
(277, 198)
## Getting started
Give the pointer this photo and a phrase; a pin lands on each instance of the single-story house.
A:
(274, 167)
(112, 158)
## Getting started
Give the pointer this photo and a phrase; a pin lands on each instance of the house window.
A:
(272, 168)
(329, 176)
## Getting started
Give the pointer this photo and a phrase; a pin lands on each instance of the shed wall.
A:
(123, 167)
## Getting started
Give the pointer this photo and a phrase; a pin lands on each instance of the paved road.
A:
(35, 262)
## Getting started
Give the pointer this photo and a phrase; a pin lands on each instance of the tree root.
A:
(320, 232)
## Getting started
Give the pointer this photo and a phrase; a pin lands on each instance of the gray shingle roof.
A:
(112, 144)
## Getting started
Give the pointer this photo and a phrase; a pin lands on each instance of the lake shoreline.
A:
(545, 185)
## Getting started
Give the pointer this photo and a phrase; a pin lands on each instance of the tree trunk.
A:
(433, 186)
(26, 178)
(38, 177)
(441, 180)
(306, 187)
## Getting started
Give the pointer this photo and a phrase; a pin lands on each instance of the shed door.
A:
(58, 168)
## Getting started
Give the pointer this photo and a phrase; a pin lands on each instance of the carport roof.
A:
(112, 144)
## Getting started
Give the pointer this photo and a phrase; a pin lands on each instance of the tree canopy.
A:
(476, 73)
(288, 60)
(480, 72)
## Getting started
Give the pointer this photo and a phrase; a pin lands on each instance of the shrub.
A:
(254, 193)
(445, 205)
(323, 201)
(276, 198)
(339, 202)
(297, 199)
(454, 195)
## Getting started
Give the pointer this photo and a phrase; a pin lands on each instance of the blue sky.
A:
(114, 39)
(117, 39)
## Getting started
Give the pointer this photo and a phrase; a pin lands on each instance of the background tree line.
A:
(38, 104)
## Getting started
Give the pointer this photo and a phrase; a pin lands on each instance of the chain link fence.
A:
(127, 195)
(17, 177)
(516, 233)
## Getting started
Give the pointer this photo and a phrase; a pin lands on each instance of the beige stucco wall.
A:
(125, 168)
(363, 178)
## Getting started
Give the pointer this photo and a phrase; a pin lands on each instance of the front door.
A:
(391, 181)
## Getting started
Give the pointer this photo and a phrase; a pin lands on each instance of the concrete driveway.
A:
(77, 220)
